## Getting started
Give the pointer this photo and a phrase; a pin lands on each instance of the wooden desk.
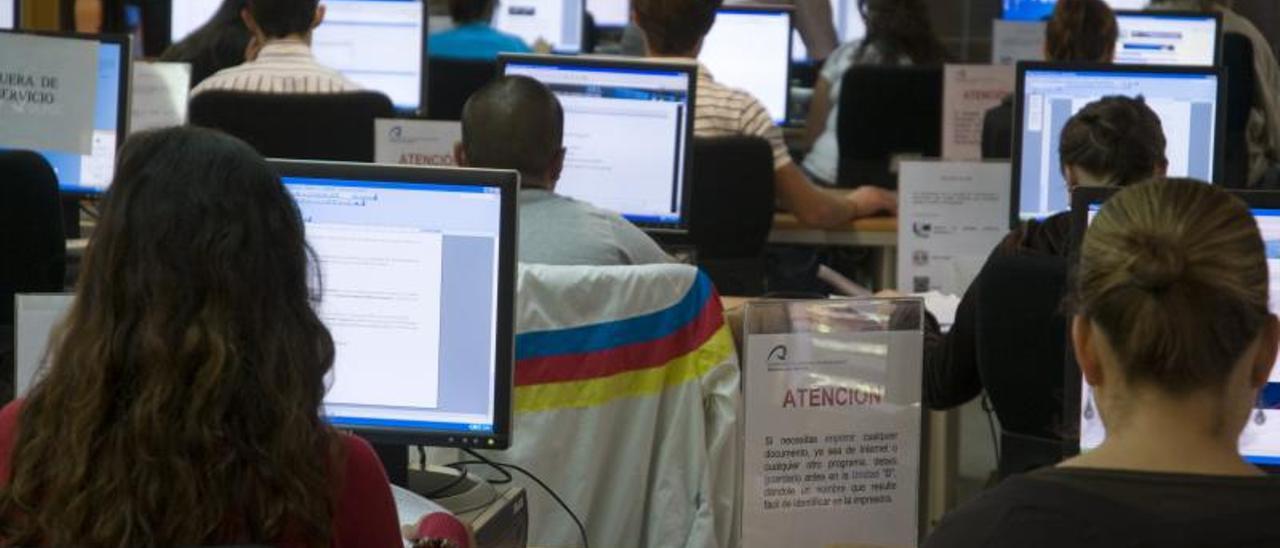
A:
(878, 233)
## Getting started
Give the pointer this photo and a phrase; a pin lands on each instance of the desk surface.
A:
(787, 221)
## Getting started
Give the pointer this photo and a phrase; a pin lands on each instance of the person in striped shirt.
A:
(279, 58)
(675, 28)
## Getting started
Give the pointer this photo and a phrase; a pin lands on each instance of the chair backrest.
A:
(626, 398)
(1021, 347)
(336, 126)
(1237, 57)
(32, 246)
(450, 82)
(733, 196)
(886, 111)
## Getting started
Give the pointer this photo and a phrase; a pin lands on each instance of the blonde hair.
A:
(1175, 276)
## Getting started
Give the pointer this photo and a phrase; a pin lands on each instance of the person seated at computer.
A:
(1081, 31)
(516, 123)
(1171, 329)
(1263, 131)
(1115, 141)
(181, 400)
(898, 33)
(675, 28)
(218, 44)
(279, 58)
(473, 38)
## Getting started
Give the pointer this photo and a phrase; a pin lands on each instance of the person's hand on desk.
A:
(872, 200)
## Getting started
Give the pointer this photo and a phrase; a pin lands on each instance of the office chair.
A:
(732, 210)
(32, 249)
(336, 126)
(450, 82)
(886, 112)
(1237, 57)
(1021, 347)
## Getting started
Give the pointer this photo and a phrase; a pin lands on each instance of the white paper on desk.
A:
(159, 95)
(969, 91)
(1013, 41)
(48, 91)
(950, 216)
(942, 306)
(416, 142)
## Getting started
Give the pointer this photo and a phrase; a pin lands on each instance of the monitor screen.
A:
(627, 130)
(558, 23)
(92, 173)
(610, 13)
(747, 49)
(416, 270)
(9, 14)
(365, 40)
(1036, 10)
(1260, 440)
(1156, 38)
(185, 16)
(1185, 99)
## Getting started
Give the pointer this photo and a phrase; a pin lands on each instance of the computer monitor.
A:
(9, 13)
(613, 14)
(628, 127)
(1188, 100)
(417, 279)
(91, 174)
(556, 22)
(1260, 440)
(378, 44)
(747, 49)
(1037, 10)
(1169, 38)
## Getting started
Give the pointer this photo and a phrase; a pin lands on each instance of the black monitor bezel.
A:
(1180, 14)
(504, 352)
(791, 25)
(1081, 200)
(680, 228)
(1019, 114)
(123, 102)
(17, 15)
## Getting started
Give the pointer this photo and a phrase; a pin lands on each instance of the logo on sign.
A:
(778, 354)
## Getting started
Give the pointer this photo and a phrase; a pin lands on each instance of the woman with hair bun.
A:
(1115, 141)
(1080, 31)
(1172, 331)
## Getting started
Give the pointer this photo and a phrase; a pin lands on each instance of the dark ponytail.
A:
(1082, 31)
(1117, 138)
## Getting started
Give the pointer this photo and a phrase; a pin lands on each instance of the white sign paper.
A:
(159, 95)
(416, 142)
(969, 91)
(47, 91)
(952, 215)
(1014, 41)
(832, 439)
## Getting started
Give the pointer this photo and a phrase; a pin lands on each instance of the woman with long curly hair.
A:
(181, 401)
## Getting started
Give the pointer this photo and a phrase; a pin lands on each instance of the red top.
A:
(366, 514)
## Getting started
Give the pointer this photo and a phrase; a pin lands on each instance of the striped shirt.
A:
(720, 111)
(282, 66)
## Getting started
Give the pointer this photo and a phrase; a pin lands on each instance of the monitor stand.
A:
(443, 483)
(71, 218)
